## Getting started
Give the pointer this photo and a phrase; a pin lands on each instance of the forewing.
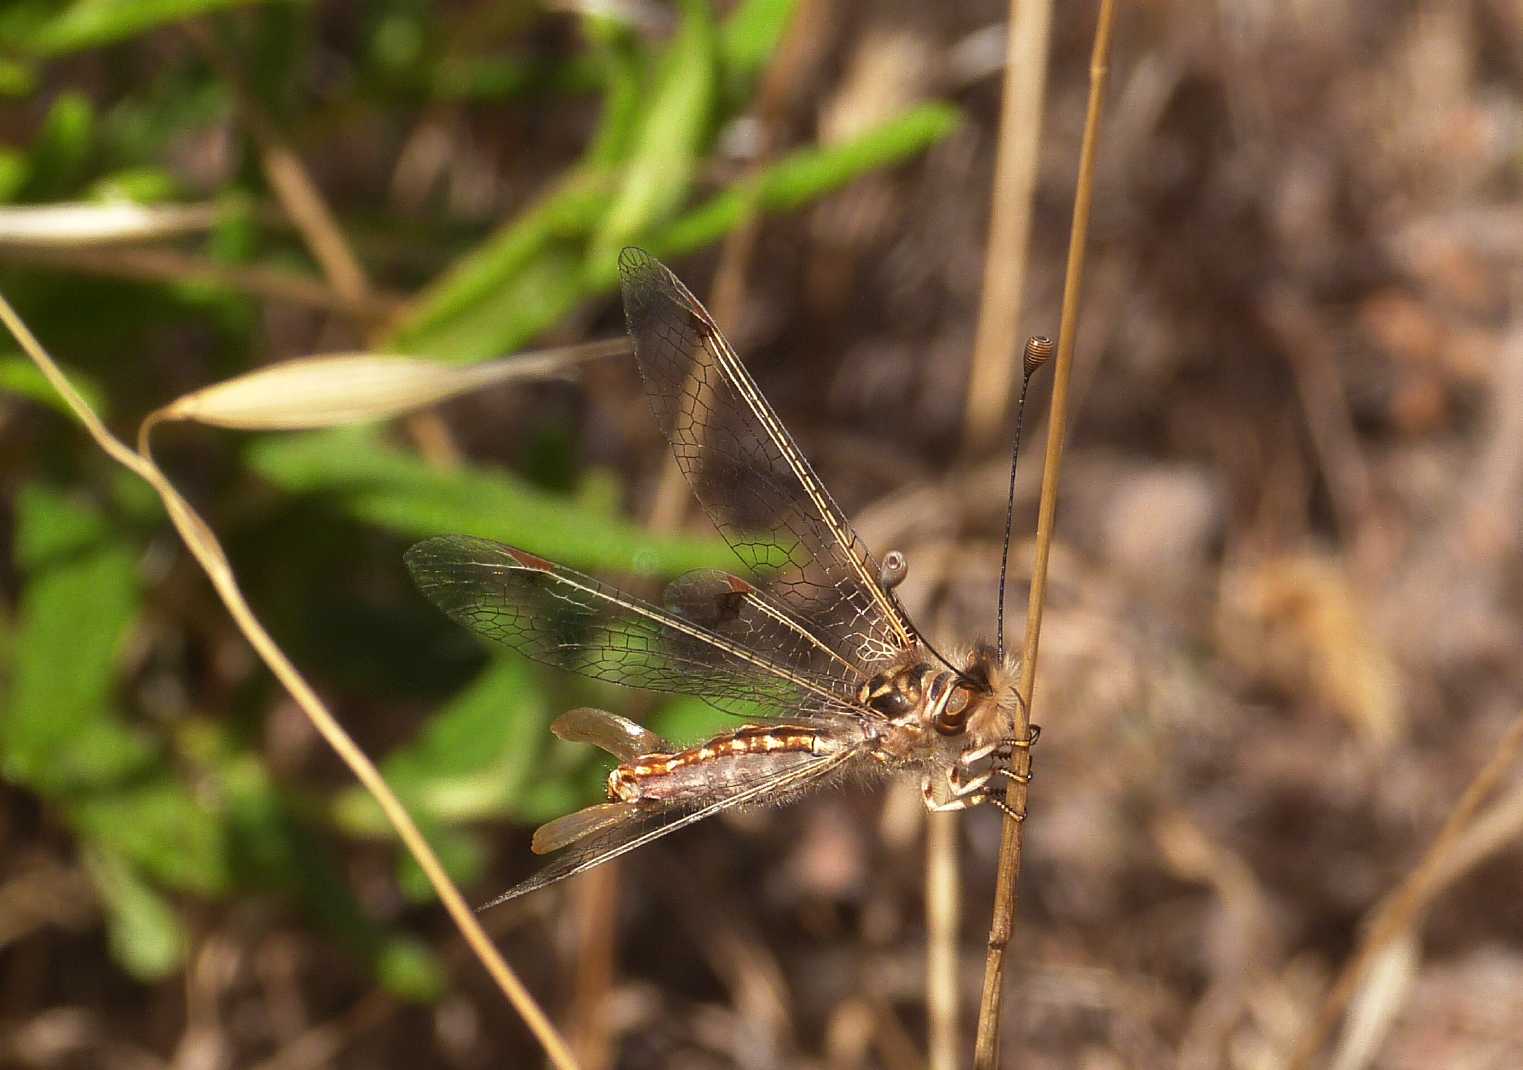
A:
(603, 832)
(746, 470)
(572, 621)
(749, 615)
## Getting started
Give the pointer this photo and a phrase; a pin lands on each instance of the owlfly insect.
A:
(810, 648)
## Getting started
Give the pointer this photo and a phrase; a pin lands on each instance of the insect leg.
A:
(963, 794)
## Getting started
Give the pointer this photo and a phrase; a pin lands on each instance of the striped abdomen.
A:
(718, 765)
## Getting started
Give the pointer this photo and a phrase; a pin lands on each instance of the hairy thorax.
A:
(933, 713)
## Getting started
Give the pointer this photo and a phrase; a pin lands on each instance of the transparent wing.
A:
(729, 606)
(746, 470)
(572, 621)
(605, 831)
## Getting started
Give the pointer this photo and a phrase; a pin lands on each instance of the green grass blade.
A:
(92, 23)
(359, 474)
(673, 131)
(143, 931)
(19, 376)
(797, 180)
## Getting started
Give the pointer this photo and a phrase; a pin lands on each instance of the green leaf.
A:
(358, 473)
(685, 721)
(17, 78)
(274, 848)
(533, 274)
(471, 761)
(491, 77)
(144, 933)
(62, 148)
(15, 173)
(485, 285)
(797, 180)
(91, 23)
(142, 185)
(524, 300)
(158, 824)
(623, 63)
(671, 136)
(751, 34)
(21, 377)
(408, 968)
(546, 799)
(77, 604)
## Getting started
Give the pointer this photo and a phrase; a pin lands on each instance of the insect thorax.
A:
(932, 710)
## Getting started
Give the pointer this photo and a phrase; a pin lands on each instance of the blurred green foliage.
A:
(185, 802)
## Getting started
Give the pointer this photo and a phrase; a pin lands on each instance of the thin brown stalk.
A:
(995, 347)
(595, 906)
(986, 1049)
(1397, 913)
(168, 265)
(1330, 423)
(895, 1047)
(208, 552)
(943, 898)
(289, 180)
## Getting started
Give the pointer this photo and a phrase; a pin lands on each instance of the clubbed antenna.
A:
(1038, 349)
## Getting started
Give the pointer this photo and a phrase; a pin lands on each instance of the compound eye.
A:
(895, 567)
(953, 719)
(952, 724)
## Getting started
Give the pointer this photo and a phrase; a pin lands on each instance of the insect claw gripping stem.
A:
(1005, 808)
(1005, 754)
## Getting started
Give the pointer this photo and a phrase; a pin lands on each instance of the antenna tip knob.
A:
(1038, 349)
(895, 567)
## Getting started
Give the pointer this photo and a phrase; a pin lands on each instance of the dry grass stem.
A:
(995, 347)
(168, 265)
(943, 899)
(324, 391)
(1401, 908)
(1328, 416)
(208, 552)
(77, 223)
(1002, 924)
(1388, 983)
(595, 905)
